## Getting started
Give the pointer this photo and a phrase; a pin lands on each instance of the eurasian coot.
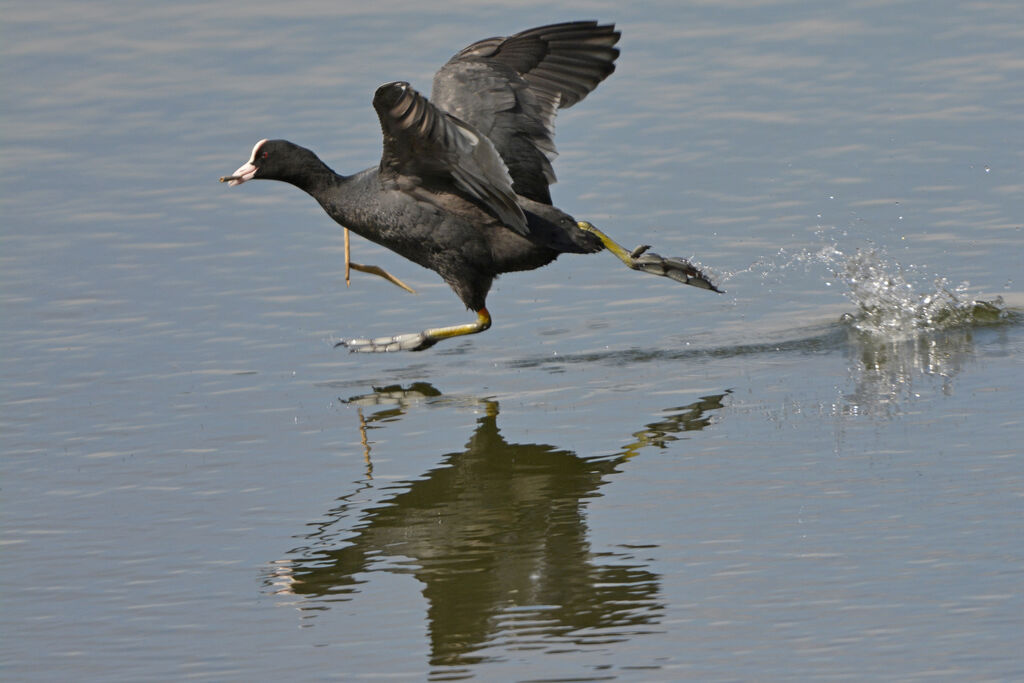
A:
(462, 185)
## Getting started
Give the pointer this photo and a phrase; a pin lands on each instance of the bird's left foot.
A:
(417, 341)
(402, 342)
(677, 269)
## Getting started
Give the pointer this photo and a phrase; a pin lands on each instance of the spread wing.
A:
(509, 89)
(424, 146)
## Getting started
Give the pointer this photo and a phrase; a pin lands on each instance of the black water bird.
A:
(462, 185)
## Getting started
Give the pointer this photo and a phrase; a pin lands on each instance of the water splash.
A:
(897, 302)
(892, 301)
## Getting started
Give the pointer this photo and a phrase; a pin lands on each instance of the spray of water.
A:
(891, 301)
(894, 302)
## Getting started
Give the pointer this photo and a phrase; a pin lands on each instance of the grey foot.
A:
(677, 269)
(403, 342)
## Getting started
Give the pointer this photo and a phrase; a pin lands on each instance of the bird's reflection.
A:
(497, 535)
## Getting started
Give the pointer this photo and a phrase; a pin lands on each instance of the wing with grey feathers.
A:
(426, 146)
(509, 89)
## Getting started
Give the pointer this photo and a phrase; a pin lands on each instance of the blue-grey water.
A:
(818, 475)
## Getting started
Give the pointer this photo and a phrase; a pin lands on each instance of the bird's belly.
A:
(431, 235)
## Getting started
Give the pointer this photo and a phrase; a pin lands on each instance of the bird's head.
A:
(275, 160)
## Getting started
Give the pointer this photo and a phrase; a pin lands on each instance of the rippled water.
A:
(816, 475)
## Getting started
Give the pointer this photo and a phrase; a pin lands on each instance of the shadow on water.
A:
(497, 535)
(809, 340)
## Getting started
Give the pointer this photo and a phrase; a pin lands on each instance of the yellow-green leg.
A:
(418, 341)
(640, 259)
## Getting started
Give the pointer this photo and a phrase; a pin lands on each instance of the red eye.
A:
(264, 155)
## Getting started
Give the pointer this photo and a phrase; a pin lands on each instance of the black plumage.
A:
(462, 187)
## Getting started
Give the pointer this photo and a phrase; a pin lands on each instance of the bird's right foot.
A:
(677, 269)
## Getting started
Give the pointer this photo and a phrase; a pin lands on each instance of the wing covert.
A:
(423, 142)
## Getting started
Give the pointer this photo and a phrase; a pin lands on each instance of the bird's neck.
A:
(349, 200)
(316, 178)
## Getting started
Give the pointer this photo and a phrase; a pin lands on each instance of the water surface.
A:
(816, 475)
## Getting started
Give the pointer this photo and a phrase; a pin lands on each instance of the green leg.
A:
(640, 259)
